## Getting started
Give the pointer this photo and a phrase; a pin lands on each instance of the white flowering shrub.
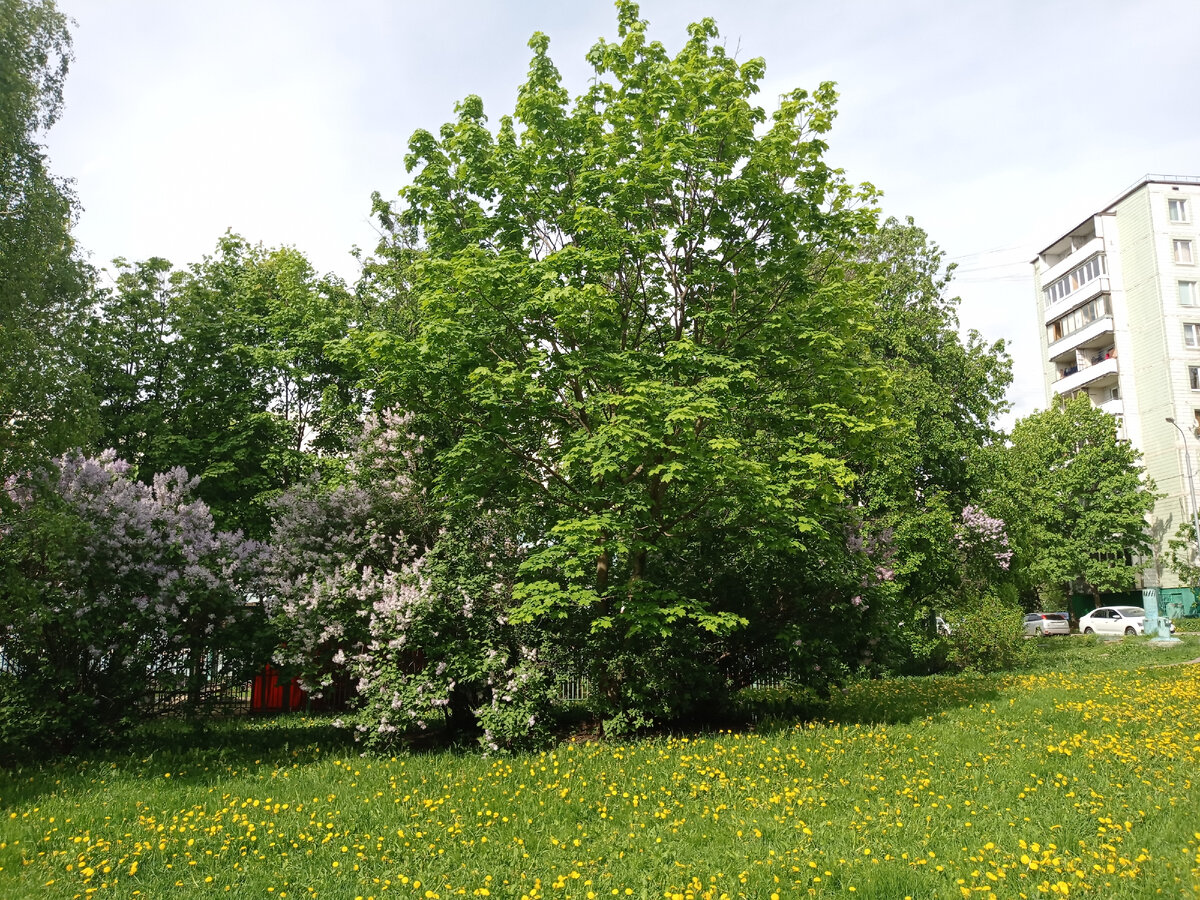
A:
(337, 544)
(373, 588)
(114, 590)
(442, 651)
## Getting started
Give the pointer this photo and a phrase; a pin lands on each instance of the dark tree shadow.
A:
(891, 702)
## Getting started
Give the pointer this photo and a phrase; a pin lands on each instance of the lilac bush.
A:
(336, 543)
(375, 588)
(983, 542)
(988, 633)
(115, 589)
(441, 649)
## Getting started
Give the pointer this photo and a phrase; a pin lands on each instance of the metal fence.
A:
(175, 684)
(174, 687)
(574, 688)
(171, 688)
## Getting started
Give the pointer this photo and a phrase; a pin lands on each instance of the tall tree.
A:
(131, 357)
(223, 368)
(632, 323)
(43, 396)
(1075, 498)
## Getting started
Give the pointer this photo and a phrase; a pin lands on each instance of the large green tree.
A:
(223, 368)
(43, 397)
(632, 326)
(1075, 498)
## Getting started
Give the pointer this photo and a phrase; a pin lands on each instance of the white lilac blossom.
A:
(141, 575)
(984, 534)
(371, 589)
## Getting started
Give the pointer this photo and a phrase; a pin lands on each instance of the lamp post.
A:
(1187, 459)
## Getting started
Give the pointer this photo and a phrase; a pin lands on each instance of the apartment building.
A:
(1119, 303)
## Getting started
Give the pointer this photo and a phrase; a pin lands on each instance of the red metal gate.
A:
(269, 694)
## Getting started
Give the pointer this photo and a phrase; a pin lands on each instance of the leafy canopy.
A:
(44, 403)
(1076, 499)
(223, 368)
(630, 319)
(626, 323)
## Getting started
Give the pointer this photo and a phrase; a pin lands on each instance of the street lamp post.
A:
(1187, 459)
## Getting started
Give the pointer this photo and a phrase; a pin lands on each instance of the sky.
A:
(997, 126)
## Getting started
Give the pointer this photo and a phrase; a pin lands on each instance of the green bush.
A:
(987, 636)
(21, 720)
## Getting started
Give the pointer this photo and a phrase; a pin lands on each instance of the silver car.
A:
(1039, 623)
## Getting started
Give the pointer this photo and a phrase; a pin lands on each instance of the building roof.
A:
(1137, 185)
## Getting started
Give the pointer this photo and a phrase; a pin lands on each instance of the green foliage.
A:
(44, 403)
(1182, 556)
(624, 321)
(947, 395)
(25, 719)
(1075, 498)
(224, 368)
(988, 636)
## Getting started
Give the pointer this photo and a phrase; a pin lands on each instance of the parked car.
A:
(1039, 623)
(1118, 620)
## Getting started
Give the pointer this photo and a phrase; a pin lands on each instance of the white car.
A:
(1118, 620)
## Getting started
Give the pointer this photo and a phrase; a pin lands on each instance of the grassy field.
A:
(1078, 776)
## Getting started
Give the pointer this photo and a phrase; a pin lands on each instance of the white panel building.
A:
(1119, 301)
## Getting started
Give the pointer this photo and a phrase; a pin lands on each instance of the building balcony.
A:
(1093, 336)
(1113, 407)
(1078, 297)
(1079, 254)
(1097, 374)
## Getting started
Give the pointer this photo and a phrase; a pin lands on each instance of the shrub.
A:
(111, 589)
(371, 586)
(988, 636)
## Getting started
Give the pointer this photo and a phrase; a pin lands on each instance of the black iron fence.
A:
(177, 686)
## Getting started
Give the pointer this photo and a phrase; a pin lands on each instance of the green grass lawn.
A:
(1077, 776)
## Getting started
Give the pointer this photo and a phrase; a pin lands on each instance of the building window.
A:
(1183, 251)
(1075, 279)
(1194, 377)
(1191, 334)
(1177, 210)
(1188, 295)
